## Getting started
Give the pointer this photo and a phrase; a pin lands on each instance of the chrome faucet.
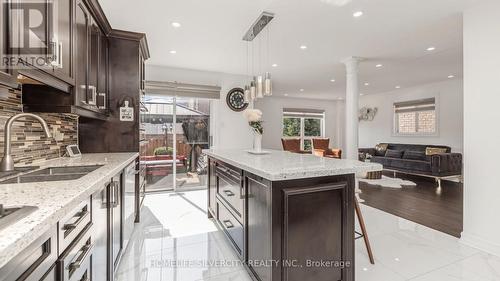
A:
(7, 163)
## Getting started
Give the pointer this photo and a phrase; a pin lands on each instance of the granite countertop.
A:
(284, 165)
(54, 199)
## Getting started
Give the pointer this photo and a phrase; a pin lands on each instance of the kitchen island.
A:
(288, 216)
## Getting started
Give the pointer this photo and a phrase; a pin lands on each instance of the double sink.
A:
(53, 174)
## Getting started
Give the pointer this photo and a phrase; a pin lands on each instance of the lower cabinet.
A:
(86, 244)
(34, 262)
(100, 232)
(270, 224)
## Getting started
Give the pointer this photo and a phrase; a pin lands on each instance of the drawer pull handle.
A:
(81, 216)
(86, 250)
(228, 193)
(228, 224)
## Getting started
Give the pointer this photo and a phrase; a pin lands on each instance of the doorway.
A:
(177, 129)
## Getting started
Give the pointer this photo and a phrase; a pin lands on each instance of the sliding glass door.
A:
(177, 130)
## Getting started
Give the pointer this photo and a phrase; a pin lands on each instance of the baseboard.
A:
(479, 243)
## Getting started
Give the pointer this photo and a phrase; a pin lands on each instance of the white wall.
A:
(482, 129)
(449, 96)
(228, 128)
(272, 109)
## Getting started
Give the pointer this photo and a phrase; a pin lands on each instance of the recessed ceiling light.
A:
(173, 52)
(274, 65)
(175, 24)
(398, 87)
(301, 90)
(378, 65)
(367, 84)
(451, 76)
(303, 47)
(361, 94)
(357, 14)
(430, 49)
(332, 80)
(286, 95)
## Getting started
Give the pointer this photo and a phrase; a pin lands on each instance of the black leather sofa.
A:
(412, 159)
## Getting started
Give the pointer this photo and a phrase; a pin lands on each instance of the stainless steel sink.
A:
(53, 174)
(66, 170)
(12, 214)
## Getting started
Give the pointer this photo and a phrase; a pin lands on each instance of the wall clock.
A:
(235, 99)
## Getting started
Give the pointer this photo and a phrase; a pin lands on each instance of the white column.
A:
(351, 108)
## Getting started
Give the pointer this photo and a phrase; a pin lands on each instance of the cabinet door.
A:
(212, 189)
(82, 25)
(102, 79)
(259, 226)
(116, 219)
(95, 35)
(7, 72)
(62, 39)
(100, 233)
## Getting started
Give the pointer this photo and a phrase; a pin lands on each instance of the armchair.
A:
(292, 145)
(321, 148)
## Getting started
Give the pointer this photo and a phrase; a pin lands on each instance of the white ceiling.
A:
(395, 33)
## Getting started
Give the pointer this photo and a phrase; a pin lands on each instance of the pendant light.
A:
(247, 95)
(260, 87)
(252, 89)
(261, 84)
(267, 82)
(267, 85)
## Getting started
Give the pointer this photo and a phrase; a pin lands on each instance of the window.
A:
(304, 124)
(416, 117)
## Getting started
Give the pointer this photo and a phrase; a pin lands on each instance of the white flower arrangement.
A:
(254, 118)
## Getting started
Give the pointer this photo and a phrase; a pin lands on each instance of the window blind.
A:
(301, 112)
(176, 89)
(415, 105)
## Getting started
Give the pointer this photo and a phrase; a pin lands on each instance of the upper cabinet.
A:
(7, 74)
(80, 42)
(62, 48)
(62, 43)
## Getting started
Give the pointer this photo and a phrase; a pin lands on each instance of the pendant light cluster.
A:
(260, 85)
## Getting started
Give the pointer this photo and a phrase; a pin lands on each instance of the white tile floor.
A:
(175, 228)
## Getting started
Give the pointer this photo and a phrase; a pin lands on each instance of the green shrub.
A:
(162, 150)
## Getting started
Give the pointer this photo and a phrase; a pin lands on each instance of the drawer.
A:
(34, 261)
(73, 224)
(74, 263)
(231, 191)
(232, 227)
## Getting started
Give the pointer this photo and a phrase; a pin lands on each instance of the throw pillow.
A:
(434, 150)
(390, 153)
(380, 149)
(414, 155)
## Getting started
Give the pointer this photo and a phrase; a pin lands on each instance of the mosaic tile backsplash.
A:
(29, 144)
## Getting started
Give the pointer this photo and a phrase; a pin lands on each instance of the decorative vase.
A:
(257, 142)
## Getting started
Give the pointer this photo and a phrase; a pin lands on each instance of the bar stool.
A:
(363, 234)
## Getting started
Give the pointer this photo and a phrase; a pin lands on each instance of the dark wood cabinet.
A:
(61, 43)
(7, 74)
(259, 225)
(212, 189)
(91, 48)
(82, 25)
(291, 224)
(103, 74)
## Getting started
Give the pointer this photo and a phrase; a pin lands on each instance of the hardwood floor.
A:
(424, 204)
